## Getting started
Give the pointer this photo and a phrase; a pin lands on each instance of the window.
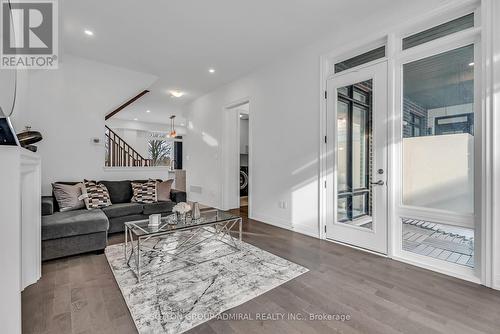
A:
(454, 124)
(415, 125)
(439, 31)
(438, 164)
(360, 59)
(161, 152)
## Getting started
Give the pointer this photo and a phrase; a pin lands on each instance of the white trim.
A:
(439, 266)
(356, 247)
(491, 123)
(392, 48)
(462, 8)
(439, 46)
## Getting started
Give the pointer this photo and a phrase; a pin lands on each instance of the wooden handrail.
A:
(126, 104)
(120, 154)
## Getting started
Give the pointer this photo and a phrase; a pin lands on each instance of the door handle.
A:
(378, 183)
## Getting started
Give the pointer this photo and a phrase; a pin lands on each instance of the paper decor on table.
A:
(154, 220)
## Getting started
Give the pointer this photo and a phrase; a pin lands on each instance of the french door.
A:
(357, 158)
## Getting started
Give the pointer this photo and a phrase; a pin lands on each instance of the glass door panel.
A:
(354, 115)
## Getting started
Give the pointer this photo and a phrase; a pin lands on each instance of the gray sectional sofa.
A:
(80, 231)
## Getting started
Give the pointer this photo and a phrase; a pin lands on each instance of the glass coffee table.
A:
(213, 224)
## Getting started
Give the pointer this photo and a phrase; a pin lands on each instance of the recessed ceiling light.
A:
(211, 70)
(88, 32)
(136, 119)
(182, 124)
(176, 93)
(471, 64)
(148, 110)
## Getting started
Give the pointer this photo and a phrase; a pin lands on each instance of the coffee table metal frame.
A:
(218, 231)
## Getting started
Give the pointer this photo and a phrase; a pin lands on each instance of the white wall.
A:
(449, 187)
(284, 112)
(68, 106)
(284, 108)
(137, 139)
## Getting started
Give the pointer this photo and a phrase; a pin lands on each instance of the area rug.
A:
(175, 295)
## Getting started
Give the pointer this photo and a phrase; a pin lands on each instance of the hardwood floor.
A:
(79, 295)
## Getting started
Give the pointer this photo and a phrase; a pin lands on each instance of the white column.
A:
(20, 251)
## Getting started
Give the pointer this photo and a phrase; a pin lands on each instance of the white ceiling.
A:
(178, 41)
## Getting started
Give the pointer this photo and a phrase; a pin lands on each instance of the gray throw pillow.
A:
(163, 190)
(68, 197)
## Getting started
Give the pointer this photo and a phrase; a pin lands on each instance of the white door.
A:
(357, 158)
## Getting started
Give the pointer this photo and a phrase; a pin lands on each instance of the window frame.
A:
(436, 47)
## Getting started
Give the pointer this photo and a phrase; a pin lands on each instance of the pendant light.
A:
(173, 133)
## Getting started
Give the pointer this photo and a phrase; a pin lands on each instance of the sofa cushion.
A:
(70, 223)
(47, 205)
(122, 209)
(118, 224)
(158, 207)
(119, 191)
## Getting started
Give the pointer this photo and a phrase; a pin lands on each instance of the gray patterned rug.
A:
(174, 295)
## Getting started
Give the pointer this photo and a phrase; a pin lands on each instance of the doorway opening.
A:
(237, 158)
(244, 152)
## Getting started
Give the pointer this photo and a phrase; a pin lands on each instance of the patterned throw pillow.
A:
(144, 192)
(96, 195)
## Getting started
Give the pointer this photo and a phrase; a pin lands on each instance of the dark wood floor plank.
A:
(79, 295)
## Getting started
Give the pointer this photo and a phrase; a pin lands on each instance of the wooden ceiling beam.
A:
(126, 104)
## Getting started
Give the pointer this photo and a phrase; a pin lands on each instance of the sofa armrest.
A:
(47, 205)
(178, 196)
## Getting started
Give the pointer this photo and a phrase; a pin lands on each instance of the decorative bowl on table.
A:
(181, 209)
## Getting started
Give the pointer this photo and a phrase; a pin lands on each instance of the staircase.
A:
(121, 154)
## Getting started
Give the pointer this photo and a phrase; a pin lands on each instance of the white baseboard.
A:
(285, 224)
(496, 283)
(270, 220)
(453, 273)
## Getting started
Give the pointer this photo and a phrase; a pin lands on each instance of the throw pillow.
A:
(144, 192)
(163, 190)
(68, 197)
(96, 195)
